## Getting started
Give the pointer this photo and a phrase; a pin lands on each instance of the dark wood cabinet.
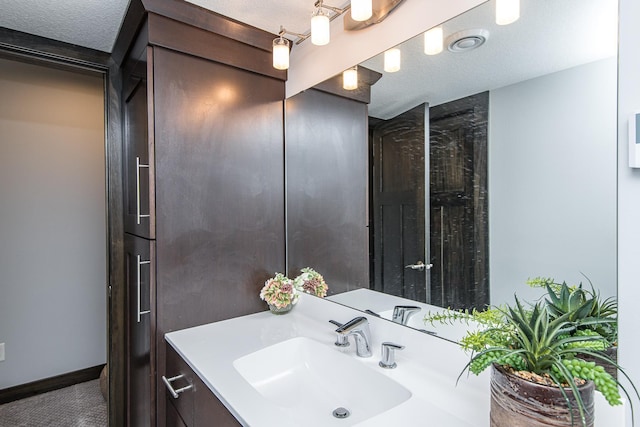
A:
(327, 177)
(197, 405)
(140, 271)
(204, 159)
(173, 418)
(139, 195)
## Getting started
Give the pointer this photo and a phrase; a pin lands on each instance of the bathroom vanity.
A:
(284, 370)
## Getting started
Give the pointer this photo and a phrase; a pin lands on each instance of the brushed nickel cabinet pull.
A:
(140, 264)
(175, 393)
(138, 166)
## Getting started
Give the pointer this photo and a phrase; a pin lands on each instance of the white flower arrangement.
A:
(279, 292)
(311, 282)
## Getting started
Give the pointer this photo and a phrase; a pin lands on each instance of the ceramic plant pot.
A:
(283, 310)
(516, 402)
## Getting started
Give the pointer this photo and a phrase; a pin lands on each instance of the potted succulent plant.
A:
(582, 304)
(538, 355)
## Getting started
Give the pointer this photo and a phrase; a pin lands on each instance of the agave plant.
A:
(581, 304)
(550, 338)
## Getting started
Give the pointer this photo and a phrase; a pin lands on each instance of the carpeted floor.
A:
(80, 405)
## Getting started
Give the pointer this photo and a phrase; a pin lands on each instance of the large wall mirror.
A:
(517, 157)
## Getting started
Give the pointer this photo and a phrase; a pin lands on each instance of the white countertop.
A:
(427, 367)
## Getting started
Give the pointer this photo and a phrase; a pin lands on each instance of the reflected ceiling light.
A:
(320, 27)
(350, 78)
(392, 60)
(507, 11)
(361, 10)
(281, 52)
(433, 41)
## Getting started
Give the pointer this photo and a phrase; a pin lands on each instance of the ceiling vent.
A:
(466, 40)
(380, 8)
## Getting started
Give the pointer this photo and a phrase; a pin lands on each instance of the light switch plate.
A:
(634, 141)
(1, 351)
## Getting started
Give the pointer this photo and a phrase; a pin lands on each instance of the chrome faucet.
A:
(402, 313)
(388, 355)
(359, 328)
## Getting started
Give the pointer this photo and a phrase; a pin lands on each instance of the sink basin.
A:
(311, 380)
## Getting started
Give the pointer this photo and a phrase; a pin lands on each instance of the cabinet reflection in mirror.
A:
(496, 164)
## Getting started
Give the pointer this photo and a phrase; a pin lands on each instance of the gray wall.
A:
(52, 222)
(552, 186)
(628, 195)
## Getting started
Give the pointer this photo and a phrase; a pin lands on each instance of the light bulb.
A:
(320, 28)
(392, 60)
(361, 10)
(280, 53)
(433, 41)
(350, 79)
(507, 11)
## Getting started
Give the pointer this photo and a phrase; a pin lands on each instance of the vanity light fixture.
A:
(361, 10)
(350, 78)
(320, 26)
(281, 52)
(433, 39)
(320, 23)
(507, 11)
(392, 60)
(281, 48)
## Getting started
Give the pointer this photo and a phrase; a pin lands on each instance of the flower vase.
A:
(282, 310)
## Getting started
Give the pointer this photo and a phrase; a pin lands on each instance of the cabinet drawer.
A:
(180, 376)
(140, 296)
(197, 406)
(173, 418)
(139, 188)
(209, 411)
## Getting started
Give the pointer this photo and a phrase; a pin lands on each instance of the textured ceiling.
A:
(89, 23)
(551, 35)
(268, 15)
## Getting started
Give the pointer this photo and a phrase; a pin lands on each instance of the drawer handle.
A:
(138, 166)
(175, 393)
(140, 263)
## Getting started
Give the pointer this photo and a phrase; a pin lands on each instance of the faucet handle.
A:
(353, 323)
(341, 340)
(402, 313)
(388, 355)
(359, 328)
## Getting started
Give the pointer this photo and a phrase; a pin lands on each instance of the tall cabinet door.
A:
(139, 199)
(327, 209)
(140, 279)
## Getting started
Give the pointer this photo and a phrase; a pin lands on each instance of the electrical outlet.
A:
(1, 351)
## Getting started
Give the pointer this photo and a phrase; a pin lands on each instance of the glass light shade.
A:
(361, 10)
(350, 79)
(280, 53)
(392, 60)
(507, 11)
(320, 29)
(433, 41)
